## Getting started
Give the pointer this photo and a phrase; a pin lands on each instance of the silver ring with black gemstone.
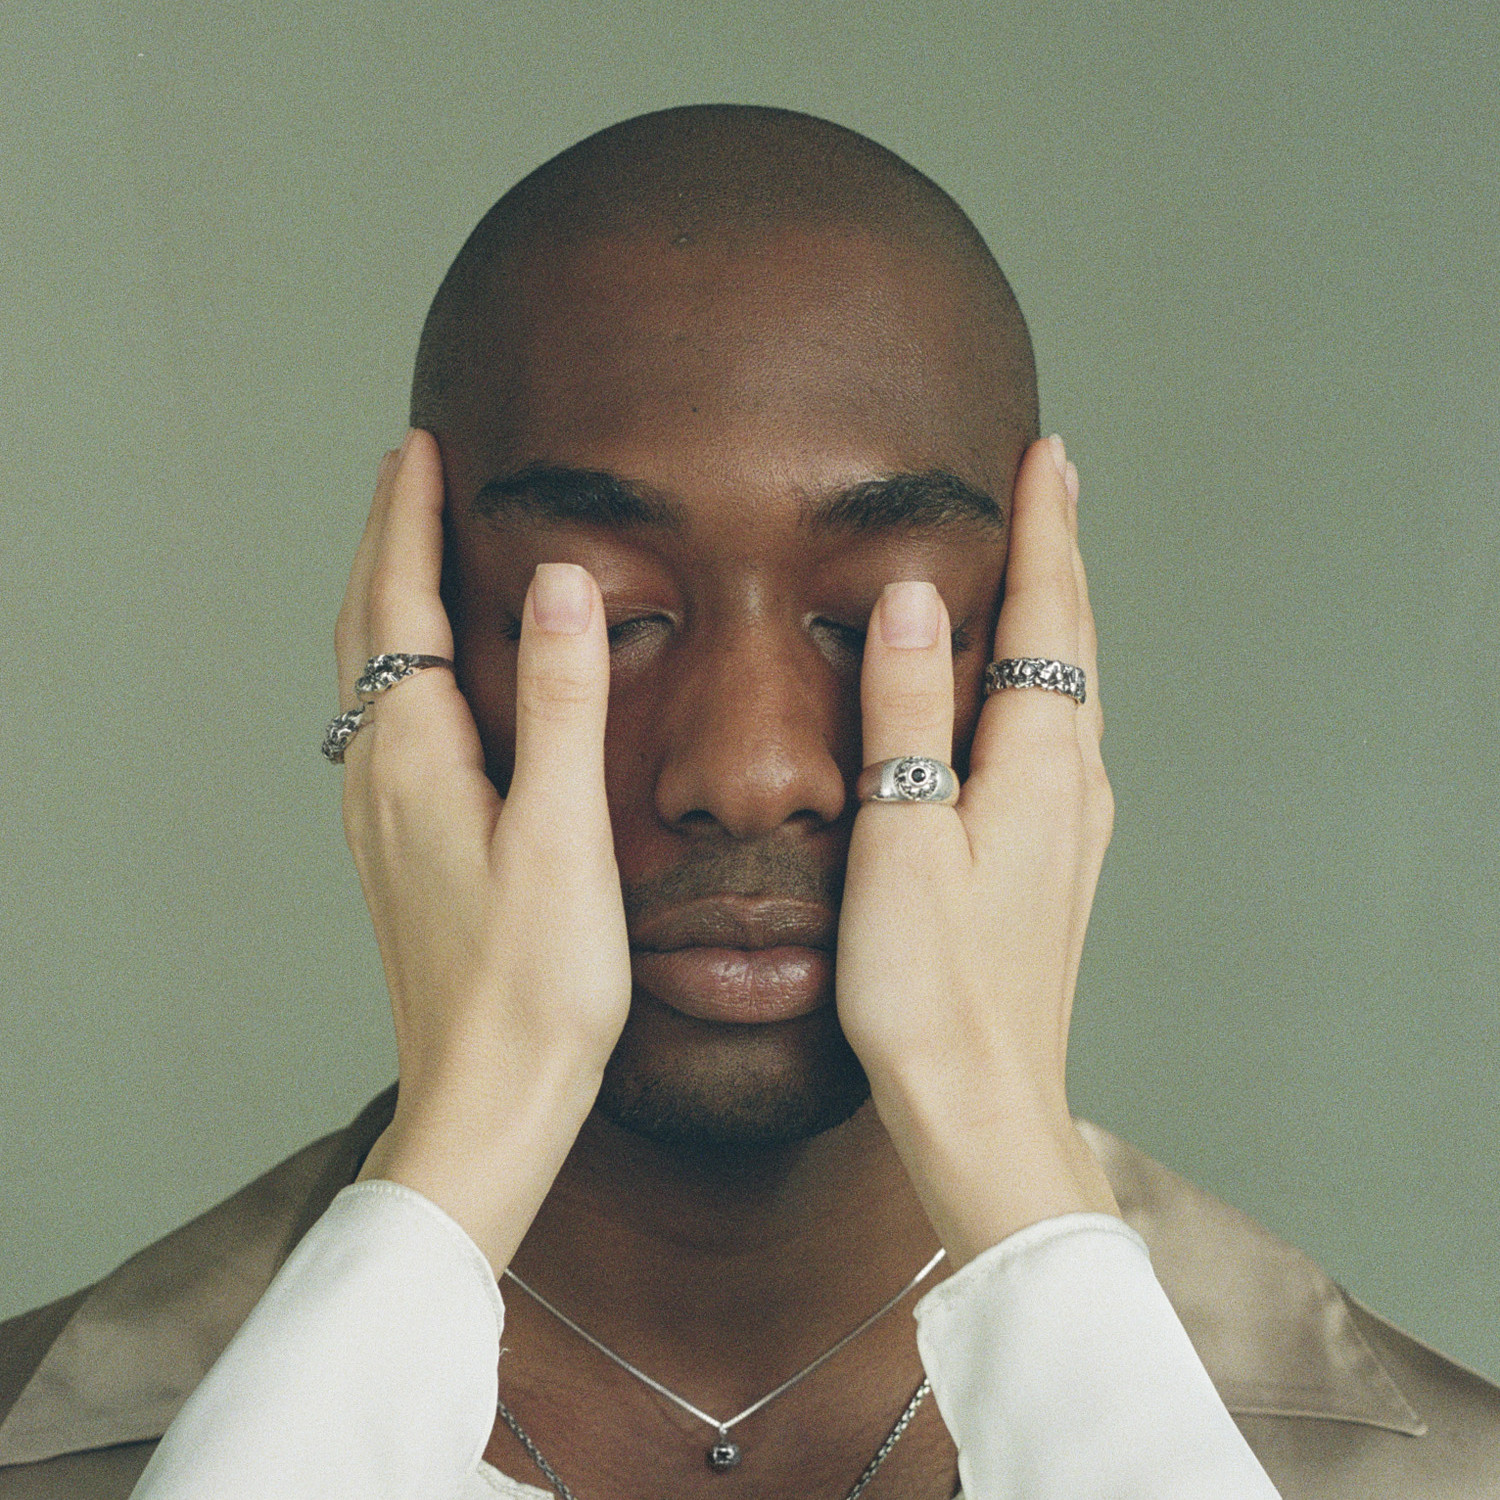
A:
(908, 778)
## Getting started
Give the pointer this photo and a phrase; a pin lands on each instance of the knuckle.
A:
(914, 705)
(1052, 765)
(1097, 781)
(1059, 778)
(385, 600)
(1101, 804)
(1048, 579)
(555, 694)
(344, 633)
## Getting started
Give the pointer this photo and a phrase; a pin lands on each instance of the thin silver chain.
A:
(553, 1477)
(681, 1402)
(882, 1453)
(891, 1439)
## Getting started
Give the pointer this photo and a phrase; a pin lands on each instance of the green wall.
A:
(1257, 244)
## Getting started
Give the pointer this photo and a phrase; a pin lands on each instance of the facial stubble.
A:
(733, 1089)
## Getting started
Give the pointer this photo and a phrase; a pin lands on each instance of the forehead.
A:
(800, 359)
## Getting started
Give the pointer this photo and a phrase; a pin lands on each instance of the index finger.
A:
(1041, 614)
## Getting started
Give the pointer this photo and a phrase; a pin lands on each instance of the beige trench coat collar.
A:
(1275, 1333)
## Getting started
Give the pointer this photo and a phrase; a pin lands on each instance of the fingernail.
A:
(1070, 481)
(909, 615)
(411, 432)
(1059, 456)
(561, 600)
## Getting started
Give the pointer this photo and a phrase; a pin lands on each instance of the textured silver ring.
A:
(343, 729)
(908, 778)
(382, 672)
(1037, 672)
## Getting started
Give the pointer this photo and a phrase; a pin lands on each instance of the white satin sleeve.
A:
(1064, 1374)
(368, 1369)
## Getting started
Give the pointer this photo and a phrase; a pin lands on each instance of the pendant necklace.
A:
(881, 1453)
(725, 1454)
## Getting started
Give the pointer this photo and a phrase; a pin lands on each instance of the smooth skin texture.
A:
(500, 925)
(442, 858)
(522, 835)
(968, 922)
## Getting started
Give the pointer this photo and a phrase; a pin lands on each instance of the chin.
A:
(716, 1089)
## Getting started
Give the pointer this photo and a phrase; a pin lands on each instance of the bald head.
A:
(726, 180)
(746, 367)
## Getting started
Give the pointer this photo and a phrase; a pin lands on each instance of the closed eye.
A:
(624, 632)
(621, 634)
(851, 638)
(848, 637)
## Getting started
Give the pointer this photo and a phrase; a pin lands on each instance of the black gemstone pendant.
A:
(724, 1455)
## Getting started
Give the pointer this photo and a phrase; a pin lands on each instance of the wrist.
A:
(487, 1158)
(985, 1168)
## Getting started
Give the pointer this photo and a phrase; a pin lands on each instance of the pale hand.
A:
(500, 923)
(962, 927)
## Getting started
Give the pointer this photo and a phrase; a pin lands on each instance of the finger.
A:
(562, 700)
(405, 612)
(1091, 717)
(1040, 614)
(351, 630)
(1099, 804)
(421, 724)
(906, 681)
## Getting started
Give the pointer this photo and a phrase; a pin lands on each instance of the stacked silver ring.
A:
(1037, 672)
(380, 673)
(343, 729)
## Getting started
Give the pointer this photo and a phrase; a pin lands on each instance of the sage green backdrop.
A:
(1257, 245)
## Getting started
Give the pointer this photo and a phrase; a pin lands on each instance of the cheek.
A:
(486, 671)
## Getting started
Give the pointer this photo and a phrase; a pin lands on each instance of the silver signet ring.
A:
(908, 778)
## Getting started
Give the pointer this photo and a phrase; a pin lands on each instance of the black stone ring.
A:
(908, 778)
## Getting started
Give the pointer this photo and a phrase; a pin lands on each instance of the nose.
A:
(754, 730)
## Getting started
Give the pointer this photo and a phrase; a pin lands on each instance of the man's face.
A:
(717, 434)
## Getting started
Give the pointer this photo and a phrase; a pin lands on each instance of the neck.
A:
(676, 1253)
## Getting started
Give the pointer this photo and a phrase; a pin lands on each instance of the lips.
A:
(739, 959)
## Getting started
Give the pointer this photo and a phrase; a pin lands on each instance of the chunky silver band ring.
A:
(341, 731)
(382, 672)
(1035, 671)
(908, 778)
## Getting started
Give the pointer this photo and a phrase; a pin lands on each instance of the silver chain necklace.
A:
(881, 1453)
(725, 1454)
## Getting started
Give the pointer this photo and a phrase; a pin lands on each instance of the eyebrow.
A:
(926, 501)
(557, 493)
(931, 500)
